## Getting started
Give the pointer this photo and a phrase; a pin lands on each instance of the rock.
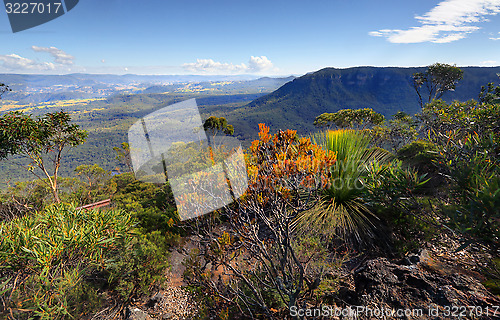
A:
(154, 300)
(412, 285)
(136, 314)
(167, 315)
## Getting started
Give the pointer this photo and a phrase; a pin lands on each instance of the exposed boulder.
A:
(418, 283)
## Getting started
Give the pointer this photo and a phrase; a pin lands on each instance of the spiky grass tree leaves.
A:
(342, 212)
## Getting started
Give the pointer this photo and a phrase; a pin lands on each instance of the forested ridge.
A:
(354, 209)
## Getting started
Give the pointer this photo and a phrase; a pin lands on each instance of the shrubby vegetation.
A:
(312, 204)
(261, 260)
(442, 176)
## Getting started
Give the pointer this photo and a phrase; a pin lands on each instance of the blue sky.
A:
(272, 37)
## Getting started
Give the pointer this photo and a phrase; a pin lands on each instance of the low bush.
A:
(426, 158)
(54, 263)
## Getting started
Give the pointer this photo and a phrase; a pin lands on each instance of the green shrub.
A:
(478, 190)
(422, 155)
(467, 136)
(153, 206)
(390, 189)
(54, 263)
(391, 184)
(342, 211)
(141, 262)
(46, 256)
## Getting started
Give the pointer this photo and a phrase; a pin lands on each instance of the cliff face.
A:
(386, 90)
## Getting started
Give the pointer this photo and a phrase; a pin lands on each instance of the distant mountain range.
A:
(82, 79)
(281, 103)
(264, 84)
(36, 88)
(386, 90)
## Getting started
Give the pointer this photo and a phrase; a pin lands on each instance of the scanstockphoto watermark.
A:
(171, 144)
(374, 312)
(356, 312)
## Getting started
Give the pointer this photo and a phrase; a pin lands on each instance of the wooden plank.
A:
(95, 205)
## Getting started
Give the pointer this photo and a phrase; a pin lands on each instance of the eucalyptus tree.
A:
(42, 140)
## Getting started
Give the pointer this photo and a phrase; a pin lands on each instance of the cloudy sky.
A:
(272, 37)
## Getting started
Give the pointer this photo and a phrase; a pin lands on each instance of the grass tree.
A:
(341, 211)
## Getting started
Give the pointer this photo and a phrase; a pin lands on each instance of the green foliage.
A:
(20, 133)
(477, 186)
(142, 261)
(342, 211)
(490, 94)
(493, 280)
(468, 137)
(391, 184)
(420, 154)
(214, 125)
(152, 205)
(425, 157)
(350, 118)
(54, 263)
(123, 155)
(38, 139)
(35, 195)
(437, 79)
(94, 184)
(45, 257)
(401, 130)
(449, 124)
(390, 190)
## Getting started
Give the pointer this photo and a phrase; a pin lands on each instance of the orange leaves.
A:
(264, 135)
(275, 162)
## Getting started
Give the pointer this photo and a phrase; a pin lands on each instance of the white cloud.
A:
(497, 38)
(211, 66)
(261, 63)
(255, 65)
(489, 62)
(14, 62)
(63, 62)
(59, 55)
(449, 21)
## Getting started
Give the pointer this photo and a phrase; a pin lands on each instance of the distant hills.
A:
(281, 103)
(386, 90)
(37, 88)
(264, 84)
(81, 79)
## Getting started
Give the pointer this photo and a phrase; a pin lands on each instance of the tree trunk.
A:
(54, 191)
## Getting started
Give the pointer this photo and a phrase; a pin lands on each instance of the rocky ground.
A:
(171, 302)
(422, 285)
